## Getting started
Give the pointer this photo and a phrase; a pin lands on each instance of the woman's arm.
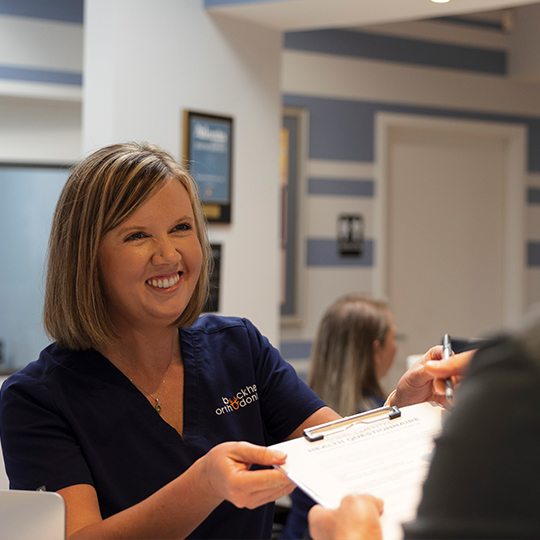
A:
(181, 505)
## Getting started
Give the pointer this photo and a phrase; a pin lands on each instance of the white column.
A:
(144, 64)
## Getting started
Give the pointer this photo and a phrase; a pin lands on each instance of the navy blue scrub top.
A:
(72, 417)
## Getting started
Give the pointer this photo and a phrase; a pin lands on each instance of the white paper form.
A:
(383, 457)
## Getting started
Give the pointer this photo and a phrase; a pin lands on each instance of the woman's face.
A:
(150, 264)
(385, 352)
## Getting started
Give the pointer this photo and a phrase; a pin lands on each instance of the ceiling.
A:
(306, 14)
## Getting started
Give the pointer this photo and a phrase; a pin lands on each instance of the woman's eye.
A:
(136, 236)
(182, 227)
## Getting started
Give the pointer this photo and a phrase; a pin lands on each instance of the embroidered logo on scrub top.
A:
(244, 397)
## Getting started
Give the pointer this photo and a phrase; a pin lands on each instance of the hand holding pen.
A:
(452, 367)
(425, 380)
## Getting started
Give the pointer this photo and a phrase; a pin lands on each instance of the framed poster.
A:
(208, 150)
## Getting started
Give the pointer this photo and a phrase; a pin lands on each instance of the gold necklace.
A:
(157, 402)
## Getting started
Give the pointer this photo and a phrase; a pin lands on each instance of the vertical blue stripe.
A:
(324, 252)
(290, 194)
(56, 10)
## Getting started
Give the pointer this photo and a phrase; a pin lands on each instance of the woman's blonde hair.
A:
(101, 192)
(343, 371)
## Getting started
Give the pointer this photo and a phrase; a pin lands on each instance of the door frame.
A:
(515, 136)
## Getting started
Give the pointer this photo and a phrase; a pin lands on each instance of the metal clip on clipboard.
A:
(318, 433)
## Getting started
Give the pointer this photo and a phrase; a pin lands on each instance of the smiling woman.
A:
(128, 413)
(103, 195)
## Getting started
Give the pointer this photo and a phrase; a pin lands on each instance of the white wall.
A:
(145, 62)
(39, 130)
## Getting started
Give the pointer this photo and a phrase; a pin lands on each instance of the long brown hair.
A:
(342, 370)
(101, 192)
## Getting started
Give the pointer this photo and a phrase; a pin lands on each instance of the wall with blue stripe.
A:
(41, 57)
(344, 79)
(41, 42)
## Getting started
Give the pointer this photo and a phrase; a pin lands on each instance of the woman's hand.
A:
(357, 518)
(226, 473)
(424, 380)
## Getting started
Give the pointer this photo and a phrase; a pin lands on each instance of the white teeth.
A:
(164, 283)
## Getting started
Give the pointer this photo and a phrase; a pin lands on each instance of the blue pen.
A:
(447, 353)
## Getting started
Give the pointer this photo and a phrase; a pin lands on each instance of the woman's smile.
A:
(166, 283)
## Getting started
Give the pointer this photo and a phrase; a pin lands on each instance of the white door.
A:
(446, 234)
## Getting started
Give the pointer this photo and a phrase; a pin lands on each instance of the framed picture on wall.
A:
(212, 303)
(208, 151)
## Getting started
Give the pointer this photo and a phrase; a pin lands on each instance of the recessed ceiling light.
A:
(440, 1)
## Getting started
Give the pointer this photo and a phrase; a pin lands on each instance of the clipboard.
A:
(384, 452)
(321, 431)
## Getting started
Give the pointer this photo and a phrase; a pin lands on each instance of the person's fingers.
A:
(434, 353)
(416, 375)
(455, 365)
(261, 455)
(255, 489)
(321, 523)
(361, 502)
(357, 518)
(439, 387)
(262, 479)
(264, 496)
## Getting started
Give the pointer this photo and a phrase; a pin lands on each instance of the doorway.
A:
(450, 228)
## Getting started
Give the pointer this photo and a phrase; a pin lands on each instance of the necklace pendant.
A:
(157, 406)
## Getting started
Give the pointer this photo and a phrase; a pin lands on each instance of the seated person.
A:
(354, 348)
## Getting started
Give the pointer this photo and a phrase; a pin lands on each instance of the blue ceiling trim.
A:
(475, 23)
(214, 3)
(398, 49)
(55, 10)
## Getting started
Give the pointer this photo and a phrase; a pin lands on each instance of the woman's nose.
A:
(165, 252)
